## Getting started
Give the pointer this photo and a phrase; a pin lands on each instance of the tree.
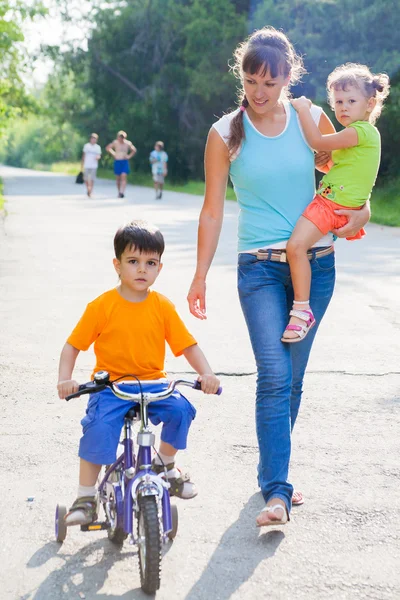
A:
(13, 97)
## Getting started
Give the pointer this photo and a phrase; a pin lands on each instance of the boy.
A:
(91, 155)
(129, 326)
(158, 161)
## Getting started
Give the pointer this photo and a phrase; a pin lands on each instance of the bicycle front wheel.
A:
(149, 541)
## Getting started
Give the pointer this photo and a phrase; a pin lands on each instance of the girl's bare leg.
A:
(304, 236)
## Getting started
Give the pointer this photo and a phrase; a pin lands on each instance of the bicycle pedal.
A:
(96, 526)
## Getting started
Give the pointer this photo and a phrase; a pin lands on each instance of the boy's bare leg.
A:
(304, 236)
(118, 182)
(168, 450)
(88, 473)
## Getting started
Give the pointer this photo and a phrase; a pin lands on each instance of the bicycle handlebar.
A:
(102, 381)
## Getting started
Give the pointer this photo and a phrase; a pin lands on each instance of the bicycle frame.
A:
(138, 477)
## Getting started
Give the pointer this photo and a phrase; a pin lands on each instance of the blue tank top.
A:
(274, 181)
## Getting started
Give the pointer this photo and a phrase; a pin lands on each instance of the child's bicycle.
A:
(130, 489)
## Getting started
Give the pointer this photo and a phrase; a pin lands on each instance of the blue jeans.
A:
(266, 296)
(105, 414)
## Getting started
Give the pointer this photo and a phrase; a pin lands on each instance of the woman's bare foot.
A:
(275, 513)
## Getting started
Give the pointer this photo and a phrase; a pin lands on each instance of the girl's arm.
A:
(334, 141)
(323, 159)
(210, 222)
(66, 385)
(196, 359)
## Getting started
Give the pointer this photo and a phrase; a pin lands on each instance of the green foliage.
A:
(331, 32)
(385, 203)
(40, 140)
(14, 100)
(159, 70)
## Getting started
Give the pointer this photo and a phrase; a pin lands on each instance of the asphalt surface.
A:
(343, 543)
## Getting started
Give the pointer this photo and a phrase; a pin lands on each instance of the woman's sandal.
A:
(300, 330)
(181, 486)
(82, 512)
(271, 509)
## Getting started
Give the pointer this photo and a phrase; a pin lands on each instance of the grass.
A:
(385, 199)
(385, 204)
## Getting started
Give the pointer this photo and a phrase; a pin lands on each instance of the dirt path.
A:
(55, 256)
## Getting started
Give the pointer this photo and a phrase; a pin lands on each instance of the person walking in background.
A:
(262, 147)
(122, 150)
(91, 155)
(158, 160)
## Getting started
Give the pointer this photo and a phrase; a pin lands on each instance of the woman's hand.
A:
(197, 298)
(357, 220)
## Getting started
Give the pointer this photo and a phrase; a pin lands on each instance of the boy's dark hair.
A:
(141, 236)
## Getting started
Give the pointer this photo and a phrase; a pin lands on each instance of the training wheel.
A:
(60, 526)
(174, 518)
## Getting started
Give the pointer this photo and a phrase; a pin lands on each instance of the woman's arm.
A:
(216, 163)
(347, 138)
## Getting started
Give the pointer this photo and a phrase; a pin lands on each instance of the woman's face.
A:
(263, 91)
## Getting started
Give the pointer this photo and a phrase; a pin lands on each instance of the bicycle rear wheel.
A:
(149, 541)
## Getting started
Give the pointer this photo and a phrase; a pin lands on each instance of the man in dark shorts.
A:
(122, 150)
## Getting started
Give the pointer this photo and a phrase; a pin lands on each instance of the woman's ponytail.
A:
(237, 133)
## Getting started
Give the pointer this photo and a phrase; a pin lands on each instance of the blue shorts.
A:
(105, 414)
(121, 166)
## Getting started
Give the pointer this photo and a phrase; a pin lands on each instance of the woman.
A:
(122, 150)
(262, 148)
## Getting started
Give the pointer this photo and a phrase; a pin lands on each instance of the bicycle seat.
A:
(133, 413)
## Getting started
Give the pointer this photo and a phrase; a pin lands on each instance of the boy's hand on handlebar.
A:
(65, 388)
(209, 383)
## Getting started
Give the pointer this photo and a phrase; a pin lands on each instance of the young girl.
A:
(356, 95)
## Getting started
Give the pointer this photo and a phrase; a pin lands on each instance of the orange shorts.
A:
(321, 212)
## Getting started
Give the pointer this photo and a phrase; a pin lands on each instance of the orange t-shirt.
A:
(129, 337)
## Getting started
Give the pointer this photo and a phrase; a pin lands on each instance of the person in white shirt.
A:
(90, 161)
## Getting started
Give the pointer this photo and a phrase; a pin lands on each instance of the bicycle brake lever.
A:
(86, 388)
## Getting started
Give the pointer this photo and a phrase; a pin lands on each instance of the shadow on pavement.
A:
(229, 567)
(82, 574)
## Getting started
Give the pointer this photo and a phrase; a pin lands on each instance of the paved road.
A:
(343, 543)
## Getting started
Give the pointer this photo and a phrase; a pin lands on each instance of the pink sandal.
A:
(300, 330)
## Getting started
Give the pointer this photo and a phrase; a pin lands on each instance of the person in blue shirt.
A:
(263, 150)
